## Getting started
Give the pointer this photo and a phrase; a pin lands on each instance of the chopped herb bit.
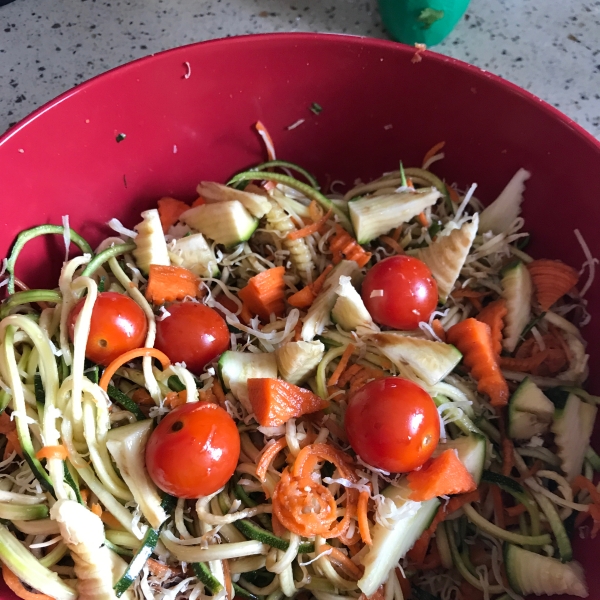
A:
(125, 181)
(429, 16)
(316, 108)
(434, 229)
(101, 284)
(402, 175)
(120, 137)
(523, 242)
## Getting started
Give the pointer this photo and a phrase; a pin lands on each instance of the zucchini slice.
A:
(517, 290)
(151, 247)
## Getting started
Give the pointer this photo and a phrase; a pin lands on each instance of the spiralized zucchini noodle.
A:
(81, 516)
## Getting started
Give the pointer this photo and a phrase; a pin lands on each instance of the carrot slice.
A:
(169, 211)
(14, 584)
(96, 509)
(306, 296)
(335, 376)
(552, 279)
(493, 316)
(302, 299)
(268, 456)
(363, 519)
(309, 229)
(445, 475)
(169, 283)
(343, 245)
(199, 201)
(474, 339)
(126, 357)
(433, 151)
(52, 452)
(245, 315)
(275, 401)
(264, 293)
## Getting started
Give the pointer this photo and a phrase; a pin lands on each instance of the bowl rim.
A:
(307, 37)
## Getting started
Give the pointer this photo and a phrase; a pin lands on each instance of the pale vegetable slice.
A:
(500, 214)
(193, 253)
(227, 223)
(296, 361)
(517, 290)
(151, 247)
(256, 204)
(373, 216)
(430, 361)
(447, 254)
(349, 310)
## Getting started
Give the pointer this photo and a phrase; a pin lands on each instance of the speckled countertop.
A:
(551, 48)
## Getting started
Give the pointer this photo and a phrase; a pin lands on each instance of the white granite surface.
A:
(551, 48)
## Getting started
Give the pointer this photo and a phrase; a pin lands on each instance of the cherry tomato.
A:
(194, 450)
(400, 292)
(194, 334)
(117, 325)
(392, 424)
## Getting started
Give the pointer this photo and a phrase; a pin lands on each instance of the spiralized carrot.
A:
(422, 219)
(96, 509)
(392, 243)
(157, 569)
(363, 519)
(508, 457)
(348, 374)
(432, 152)
(267, 139)
(218, 392)
(551, 279)
(438, 329)
(309, 229)
(126, 357)
(493, 315)
(335, 376)
(267, 457)
(468, 293)
(15, 585)
(59, 452)
(174, 399)
(337, 557)
(293, 494)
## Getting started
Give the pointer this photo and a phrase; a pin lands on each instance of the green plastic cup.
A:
(421, 21)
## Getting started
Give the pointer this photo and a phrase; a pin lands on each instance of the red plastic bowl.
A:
(378, 107)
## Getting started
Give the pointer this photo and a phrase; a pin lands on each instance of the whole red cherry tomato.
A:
(193, 334)
(194, 450)
(392, 424)
(117, 325)
(400, 292)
